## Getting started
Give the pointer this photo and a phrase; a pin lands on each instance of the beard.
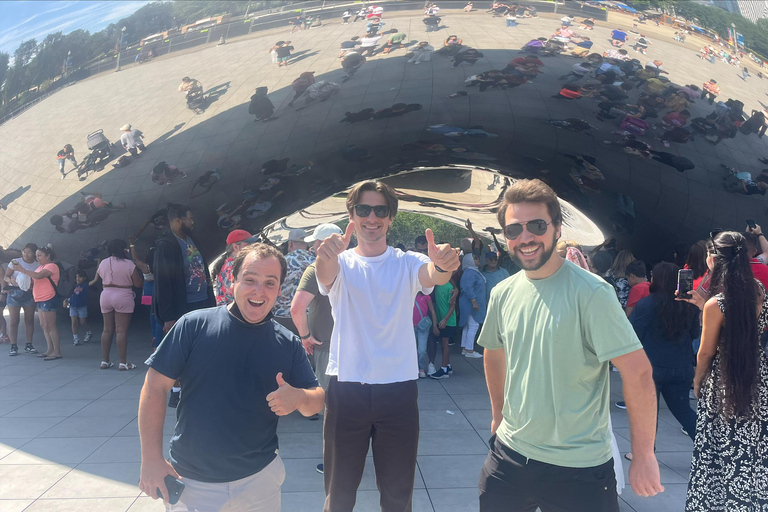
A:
(186, 229)
(532, 265)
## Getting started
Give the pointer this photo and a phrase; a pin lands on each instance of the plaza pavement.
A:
(68, 435)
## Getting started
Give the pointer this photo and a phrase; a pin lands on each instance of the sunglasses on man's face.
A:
(535, 227)
(364, 210)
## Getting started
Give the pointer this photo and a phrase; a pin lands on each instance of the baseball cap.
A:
(322, 232)
(297, 235)
(492, 255)
(237, 235)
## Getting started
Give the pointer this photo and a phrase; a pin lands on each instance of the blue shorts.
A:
(48, 305)
(283, 59)
(81, 312)
(20, 298)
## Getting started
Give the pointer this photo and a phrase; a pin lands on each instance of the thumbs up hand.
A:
(443, 255)
(335, 244)
(285, 399)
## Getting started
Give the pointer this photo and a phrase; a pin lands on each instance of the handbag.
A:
(425, 323)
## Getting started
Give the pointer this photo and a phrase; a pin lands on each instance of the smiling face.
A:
(257, 287)
(529, 251)
(42, 258)
(371, 229)
(28, 255)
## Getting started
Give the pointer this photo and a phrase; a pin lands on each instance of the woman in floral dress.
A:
(729, 471)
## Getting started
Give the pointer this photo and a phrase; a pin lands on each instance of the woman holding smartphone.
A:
(44, 281)
(731, 382)
(20, 297)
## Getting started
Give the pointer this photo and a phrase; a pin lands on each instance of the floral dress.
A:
(729, 471)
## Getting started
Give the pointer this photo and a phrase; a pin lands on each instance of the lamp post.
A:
(120, 40)
(66, 63)
(735, 42)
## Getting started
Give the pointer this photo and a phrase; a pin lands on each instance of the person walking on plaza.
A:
(45, 278)
(119, 276)
(472, 305)
(222, 287)
(301, 84)
(131, 139)
(20, 297)
(351, 63)
(345, 17)
(182, 282)
(372, 394)
(299, 257)
(78, 308)
(240, 371)
(731, 383)
(64, 154)
(548, 336)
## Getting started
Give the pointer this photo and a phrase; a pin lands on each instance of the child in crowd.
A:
(78, 307)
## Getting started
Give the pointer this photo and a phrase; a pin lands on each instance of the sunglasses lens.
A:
(537, 227)
(363, 210)
(381, 211)
(512, 231)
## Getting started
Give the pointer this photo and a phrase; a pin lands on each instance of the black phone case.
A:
(175, 488)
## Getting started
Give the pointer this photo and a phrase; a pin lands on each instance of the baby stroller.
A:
(196, 100)
(100, 153)
(553, 47)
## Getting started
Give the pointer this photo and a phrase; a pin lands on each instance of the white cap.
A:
(322, 232)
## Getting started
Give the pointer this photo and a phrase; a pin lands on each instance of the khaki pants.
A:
(256, 493)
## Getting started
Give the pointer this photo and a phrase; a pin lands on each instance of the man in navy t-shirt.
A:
(239, 370)
(618, 37)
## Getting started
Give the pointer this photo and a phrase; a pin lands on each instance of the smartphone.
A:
(751, 224)
(175, 488)
(684, 283)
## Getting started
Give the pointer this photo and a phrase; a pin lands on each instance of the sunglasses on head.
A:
(364, 210)
(535, 227)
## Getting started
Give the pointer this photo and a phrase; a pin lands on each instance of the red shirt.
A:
(640, 291)
(760, 271)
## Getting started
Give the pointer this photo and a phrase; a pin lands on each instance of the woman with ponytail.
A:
(730, 453)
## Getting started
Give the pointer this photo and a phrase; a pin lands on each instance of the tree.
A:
(25, 52)
(4, 58)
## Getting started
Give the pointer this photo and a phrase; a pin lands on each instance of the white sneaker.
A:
(473, 355)
(431, 369)
(422, 375)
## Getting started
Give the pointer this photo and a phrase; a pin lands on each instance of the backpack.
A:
(633, 125)
(66, 280)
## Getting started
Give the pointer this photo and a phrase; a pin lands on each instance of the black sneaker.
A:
(174, 400)
(450, 369)
(29, 349)
(319, 468)
(439, 374)
(14, 350)
(621, 405)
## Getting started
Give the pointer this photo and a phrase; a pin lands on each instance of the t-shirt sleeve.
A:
(302, 375)
(606, 329)
(490, 335)
(172, 354)
(415, 262)
(308, 281)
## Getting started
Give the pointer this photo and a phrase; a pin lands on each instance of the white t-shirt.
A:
(372, 304)
(367, 42)
(131, 139)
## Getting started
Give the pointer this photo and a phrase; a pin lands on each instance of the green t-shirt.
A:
(558, 335)
(443, 299)
(397, 38)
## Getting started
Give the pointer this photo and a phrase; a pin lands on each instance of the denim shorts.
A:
(48, 305)
(283, 59)
(81, 312)
(20, 298)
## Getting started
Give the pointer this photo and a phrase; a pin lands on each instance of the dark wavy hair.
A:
(117, 248)
(739, 343)
(697, 259)
(676, 317)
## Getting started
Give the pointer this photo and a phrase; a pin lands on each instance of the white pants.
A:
(256, 493)
(468, 334)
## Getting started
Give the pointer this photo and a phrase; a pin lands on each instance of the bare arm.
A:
(152, 407)
(763, 256)
(301, 301)
(137, 280)
(35, 275)
(495, 365)
(640, 396)
(712, 322)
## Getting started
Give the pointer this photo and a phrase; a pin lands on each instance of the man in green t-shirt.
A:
(548, 336)
(445, 308)
(394, 41)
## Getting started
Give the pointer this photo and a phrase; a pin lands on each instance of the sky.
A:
(20, 21)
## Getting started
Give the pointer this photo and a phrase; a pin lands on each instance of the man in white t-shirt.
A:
(373, 361)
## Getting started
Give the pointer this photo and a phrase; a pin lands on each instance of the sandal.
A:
(125, 366)
(105, 365)
(42, 355)
(52, 358)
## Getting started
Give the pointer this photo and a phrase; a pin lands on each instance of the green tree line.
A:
(39, 63)
(714, 18)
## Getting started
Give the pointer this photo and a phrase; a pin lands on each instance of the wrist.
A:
(305, 337)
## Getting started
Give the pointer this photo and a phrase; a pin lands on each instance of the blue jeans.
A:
(511, 23)
(421, 346)
(674, 384)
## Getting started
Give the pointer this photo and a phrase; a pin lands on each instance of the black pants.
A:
(134, 152)
(674, 385)
(387, 415)
(509, 482)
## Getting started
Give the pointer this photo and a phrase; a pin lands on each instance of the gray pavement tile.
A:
(14, 505)
(301, 445)
(295, 422)
(29, 482)
(455, 500)
(115, 480)
(479, 418)
(451, 471)
(85, 426)
(66, 451)
(146, 504)
(26, 427)
(671, 500)
(76, 505)
(437, 403)
(121, 449)
(103, 408)
(451, 442)
(441, 420)
(10, 444)
(47, 408)
(8, 406)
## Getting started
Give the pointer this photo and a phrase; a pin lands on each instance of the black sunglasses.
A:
(535, 227)
(364, 210)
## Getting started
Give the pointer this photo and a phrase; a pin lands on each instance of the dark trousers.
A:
(509, 482)
(674, 385)
(134, 151)
(387, 415)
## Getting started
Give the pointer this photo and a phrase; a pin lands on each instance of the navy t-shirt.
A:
(79, 297)
(225, 429)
